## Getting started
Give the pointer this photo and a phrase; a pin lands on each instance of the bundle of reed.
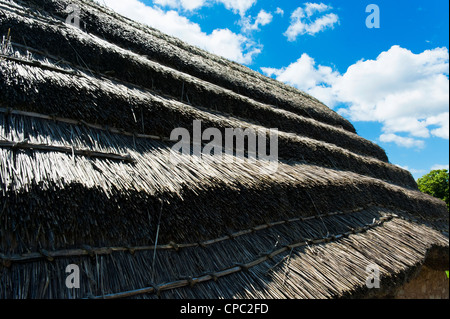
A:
(110, 104)
(172, 52)
(89, 176)
(133, 69)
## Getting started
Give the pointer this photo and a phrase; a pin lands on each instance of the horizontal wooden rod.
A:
(238, 268)
(64, 149)
(90, 251)
(80, 122)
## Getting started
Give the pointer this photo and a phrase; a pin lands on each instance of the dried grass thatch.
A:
(86, 176)
(174, 53)
(115, 105)
(134, 69)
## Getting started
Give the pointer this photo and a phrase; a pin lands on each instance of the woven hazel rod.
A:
(8, 110)
(78, 68)
(47, 55)
(78, 122)
(238, 268)
(38, 64)
(126, 83)
(93, 126)
(111, 78)
(100, 75)
(62, 149)
(89, 125)
(89, 251)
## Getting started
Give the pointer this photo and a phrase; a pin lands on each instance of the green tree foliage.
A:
(436, 184)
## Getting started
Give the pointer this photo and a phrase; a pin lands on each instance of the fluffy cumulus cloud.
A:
(305, 75)
(237, 6)
(408, 93)
(252, 24)
(310, 19)
(280, 12)
(402, 141)
(223, 42)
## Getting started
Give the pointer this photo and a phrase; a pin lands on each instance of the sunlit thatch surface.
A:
(86, 176)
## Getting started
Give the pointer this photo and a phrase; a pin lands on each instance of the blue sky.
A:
(390, 82)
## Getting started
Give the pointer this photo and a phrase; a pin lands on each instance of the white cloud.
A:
(238, 6)
(412, 170)
(401, 141)
(408, 93)
(223, 42)
(188, 5)
(263, 18)
(302, 20)
(439, 167)
(280, 12)
(442, 123)
(232, 46)
(304, 74)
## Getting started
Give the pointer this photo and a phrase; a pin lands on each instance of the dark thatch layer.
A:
(110, 104)
(277, 262)
(218, 195)
(86, 176)
(131, 68)
(203, 65)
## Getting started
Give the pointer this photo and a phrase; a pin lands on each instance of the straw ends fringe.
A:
(85, 176)
(333, 267)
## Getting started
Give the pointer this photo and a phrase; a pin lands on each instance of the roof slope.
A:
(86, 176)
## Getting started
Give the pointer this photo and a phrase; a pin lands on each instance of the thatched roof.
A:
(86, 176)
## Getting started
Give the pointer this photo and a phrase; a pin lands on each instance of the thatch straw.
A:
(86, 176)
(319, 267)
(51, 148)
(197, 188)
(111, 104)
(150, 75)
(203, 65)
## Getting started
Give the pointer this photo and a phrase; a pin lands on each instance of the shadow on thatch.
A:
(86, 175)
